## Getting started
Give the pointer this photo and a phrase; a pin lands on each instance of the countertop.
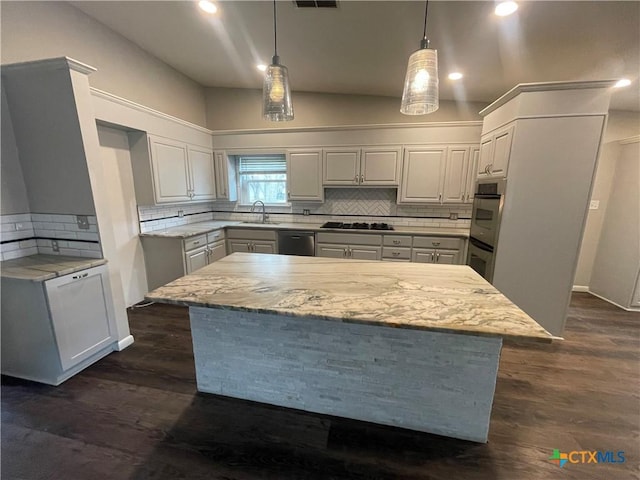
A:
(192, 229)
(38, 268)
(447, 298)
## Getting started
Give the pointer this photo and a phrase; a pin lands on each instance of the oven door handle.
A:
(489, 196)
(482, 246)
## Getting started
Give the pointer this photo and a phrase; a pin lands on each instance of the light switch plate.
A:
(594, 204)
(83, 222)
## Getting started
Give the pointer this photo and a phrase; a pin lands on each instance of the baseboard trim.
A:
(628, 309)
(124, 343)
(580, 288)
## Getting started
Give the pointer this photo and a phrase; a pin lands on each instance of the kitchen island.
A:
(415, 346)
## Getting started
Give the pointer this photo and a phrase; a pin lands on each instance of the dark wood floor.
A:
(136, 415)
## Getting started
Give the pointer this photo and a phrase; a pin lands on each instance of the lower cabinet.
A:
(444, 250)
(168, 258)
(51, 330)
(349, 245)
(251, 241)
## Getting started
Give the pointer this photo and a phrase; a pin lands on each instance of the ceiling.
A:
(362, 47)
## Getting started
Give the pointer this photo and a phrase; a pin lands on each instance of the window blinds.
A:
(262, 164)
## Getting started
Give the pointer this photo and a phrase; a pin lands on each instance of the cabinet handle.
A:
(396, 242)
(440, 197)
(82, 275)
(437, 258)
(196, 243)
(361, 178)
(289, 195)
(395, 254)
(356, 180)
(350, 252)
(344, 253)
(435, 244)
(432, 256)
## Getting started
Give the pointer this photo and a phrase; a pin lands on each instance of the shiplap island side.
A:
(410, 345)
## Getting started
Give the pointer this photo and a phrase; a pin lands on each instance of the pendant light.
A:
(420, 95)
(276, 94)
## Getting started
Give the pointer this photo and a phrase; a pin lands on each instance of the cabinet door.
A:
(217, 251)
(81, 314)
(474, 157)
(331, 251)
(263, 247)
(238, 246)
(486, 156)
(304, 176)
(203, 179)
(448, 257)
(225, 178)
(501, 152)
(195, 259)
(422, 175)
(455, 175)
(423, 255)
(170, 170)
(341, 167)
(365, 253)
(380, 166)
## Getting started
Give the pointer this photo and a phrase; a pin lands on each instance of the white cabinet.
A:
(251, 241)
(304, 175)
(170, 171)
(51, 330)
(349, 245)
(366, 166)
(454, 181)
(422, 175)
(495, 149)
(443, 250)
(226, 188)
(204, 249)
(472, 173)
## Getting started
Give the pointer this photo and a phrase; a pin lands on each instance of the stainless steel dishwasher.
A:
(294, 242)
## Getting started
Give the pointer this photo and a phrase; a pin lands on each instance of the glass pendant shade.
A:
(276, 94)
(420, 95)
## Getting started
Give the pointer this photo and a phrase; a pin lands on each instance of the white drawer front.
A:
(397, 240)
(396, 253)
(451, 243)
(349, 238)
(195, 242)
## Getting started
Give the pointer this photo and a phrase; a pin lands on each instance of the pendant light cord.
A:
(275, 30)
(426, 8)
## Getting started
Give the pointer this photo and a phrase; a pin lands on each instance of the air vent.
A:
(316, 3)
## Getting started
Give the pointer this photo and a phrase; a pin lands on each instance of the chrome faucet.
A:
(265, 215)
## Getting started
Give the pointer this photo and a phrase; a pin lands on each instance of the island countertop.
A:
(447, 298)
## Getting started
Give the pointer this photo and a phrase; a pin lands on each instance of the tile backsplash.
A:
(341, 204)
(26, 234)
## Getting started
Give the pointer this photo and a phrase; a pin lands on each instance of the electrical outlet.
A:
(594, 204)
(453, 216)
(306, 211)
(83, 222)
(19, 226)
(181, 213)
(54, 245)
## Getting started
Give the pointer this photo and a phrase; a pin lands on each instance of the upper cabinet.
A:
(366, 166)
(225, 177)
(170, 171)
(304, 175)
(495, 149)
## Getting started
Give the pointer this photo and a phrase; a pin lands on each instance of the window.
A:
(262, 177)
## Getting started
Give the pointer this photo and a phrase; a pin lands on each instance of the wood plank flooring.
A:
(136, 415)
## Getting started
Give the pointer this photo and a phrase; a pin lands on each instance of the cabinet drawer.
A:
(215, 236)
(195, 242)
(397, 240)
(251, 234)
(349, 238)
(396, 253)
(451, 243)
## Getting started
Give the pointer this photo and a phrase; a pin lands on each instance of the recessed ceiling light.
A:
(262, 67)
(506, 8)
(623, 82)
(455, 76)
(208, 6)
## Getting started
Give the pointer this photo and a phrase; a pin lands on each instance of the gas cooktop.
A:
(358, 226)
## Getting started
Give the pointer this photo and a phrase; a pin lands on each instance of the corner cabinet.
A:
(170, 171)
(495, 149)
(304, 176)
(366, 166)
(225, 177)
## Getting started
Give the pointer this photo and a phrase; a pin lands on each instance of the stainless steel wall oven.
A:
(485, 225)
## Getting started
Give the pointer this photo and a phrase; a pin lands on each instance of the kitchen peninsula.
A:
(415, 346)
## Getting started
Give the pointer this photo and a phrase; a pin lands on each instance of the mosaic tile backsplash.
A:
(348, 205)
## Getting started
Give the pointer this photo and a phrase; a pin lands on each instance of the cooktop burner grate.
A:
(358, 226)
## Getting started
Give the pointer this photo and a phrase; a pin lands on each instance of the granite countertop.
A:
(447, 298)
(38, 268)
(192, 229)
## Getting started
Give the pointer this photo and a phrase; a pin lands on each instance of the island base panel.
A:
(441, 383)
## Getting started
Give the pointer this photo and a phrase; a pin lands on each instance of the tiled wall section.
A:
(159, 218)
(30, 233)
(341, 204)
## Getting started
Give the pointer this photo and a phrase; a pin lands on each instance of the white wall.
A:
(620, 125)
(242, 109)
(39, 30)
